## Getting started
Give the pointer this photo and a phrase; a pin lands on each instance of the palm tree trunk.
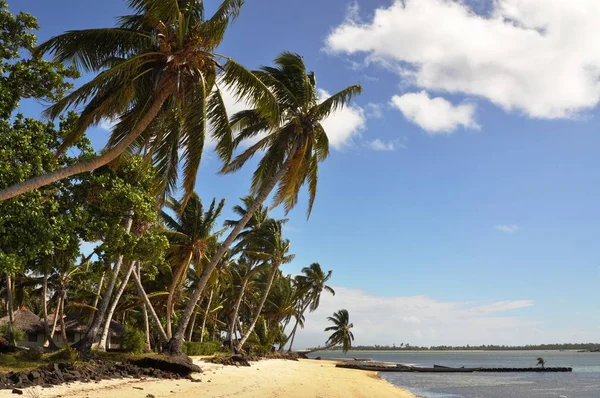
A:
(63, 331)
(260, 307)
(55, 319)
(85, 344)
(145, 316)
(293, 335)
(97, 298)
(49, 340)
(192, 326)
(165, 89)
(9, 302)
(113, 306)
(144, 296)
(174, 346)
(320, 348)
(172, 287)
(236, 310)
(212, 291)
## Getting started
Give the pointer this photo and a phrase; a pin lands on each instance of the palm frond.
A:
(336, 101)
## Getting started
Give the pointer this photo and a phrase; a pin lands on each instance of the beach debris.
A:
(17, 391)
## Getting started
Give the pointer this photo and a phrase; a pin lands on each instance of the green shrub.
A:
(65, 354)
(207, 348)
(134, 341)
(30, 355)
(14, 337)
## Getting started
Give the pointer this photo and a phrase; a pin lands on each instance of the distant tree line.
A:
(594, 347)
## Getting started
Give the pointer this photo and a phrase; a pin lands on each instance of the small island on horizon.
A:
(582, 347)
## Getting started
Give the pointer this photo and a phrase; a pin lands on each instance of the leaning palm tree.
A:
(191, 233)
(310, 284)
(273, 248)
(157, 74)
(341, 331)
(294, 144)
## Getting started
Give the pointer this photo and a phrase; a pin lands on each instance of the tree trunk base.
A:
(173, 347)
(180, 364)
(83, 347)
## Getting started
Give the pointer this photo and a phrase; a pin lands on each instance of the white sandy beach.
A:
(272, 378)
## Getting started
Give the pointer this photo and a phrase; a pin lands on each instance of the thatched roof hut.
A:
(25, 320)
(75, 323)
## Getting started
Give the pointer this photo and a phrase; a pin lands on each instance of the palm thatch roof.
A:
(24, 320)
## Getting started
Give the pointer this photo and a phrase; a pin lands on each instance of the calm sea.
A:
(583, 382)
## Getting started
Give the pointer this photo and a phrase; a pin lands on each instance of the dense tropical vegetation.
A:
(158, 260)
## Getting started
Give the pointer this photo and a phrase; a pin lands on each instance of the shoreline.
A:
(267, 378)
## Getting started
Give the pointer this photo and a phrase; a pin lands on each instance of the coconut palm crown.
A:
(297, 142)
(341, 330)
(157, 74)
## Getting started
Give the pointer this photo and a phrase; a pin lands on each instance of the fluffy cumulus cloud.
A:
(435, 115)
(539, 57)
(507, 228)
(421, 320)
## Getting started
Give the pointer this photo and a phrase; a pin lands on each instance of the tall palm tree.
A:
(341, 331)
(191, 234)
(294, 144)
(274, 249)
(157, 74)
(310, 284)
(248, 266)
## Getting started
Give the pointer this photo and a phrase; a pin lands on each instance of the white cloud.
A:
(379, 145)
(411, 319)
(344, 125)
(434, 115)
(374, 110)
(506, 228)
(108, 124)
(503, 306)
(540, 57)
(420, 320)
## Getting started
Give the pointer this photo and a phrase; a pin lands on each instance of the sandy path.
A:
(273, 378)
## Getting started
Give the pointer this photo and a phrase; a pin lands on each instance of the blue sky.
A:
(480, 218)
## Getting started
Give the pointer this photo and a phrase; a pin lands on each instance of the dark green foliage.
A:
(193, 348)
(133, 341)
(31, 355)
(65, 354)
(41, 223)
(13, 335)
(23, 76)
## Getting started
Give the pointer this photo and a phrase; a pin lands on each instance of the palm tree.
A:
(341, 331)
(247, 267)
(310, 286)
(274, 249)
(190, 233)
(294, 144)
(157, 77)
